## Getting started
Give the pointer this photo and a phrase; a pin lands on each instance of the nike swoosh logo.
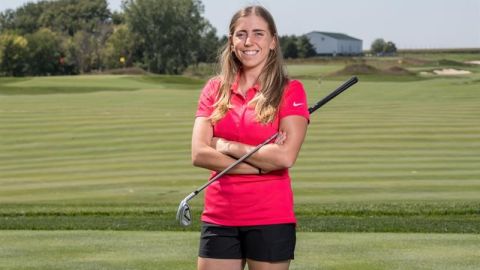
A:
(297, 104)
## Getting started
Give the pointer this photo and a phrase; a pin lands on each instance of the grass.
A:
(171, 250)
(92, 169)
(112, 152)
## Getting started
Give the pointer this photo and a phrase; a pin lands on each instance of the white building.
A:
(326, 43)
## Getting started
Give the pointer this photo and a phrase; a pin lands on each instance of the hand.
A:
(282, 136)
(219, 144)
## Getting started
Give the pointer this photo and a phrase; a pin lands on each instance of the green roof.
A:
(336, 35)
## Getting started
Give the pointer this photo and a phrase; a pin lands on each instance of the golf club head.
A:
(184, 217)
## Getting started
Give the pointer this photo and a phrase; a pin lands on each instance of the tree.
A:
(390, 48)
(118, 18)
(70, 16)
(378, 45)
(171, 30)
(208, 46)
(7, 20)
(13, 55)
(44, 52)
(24, 20)
(70, 57)
(65, 16)
(289, 46)
(120, 44)
(305, 48)
(84, 51)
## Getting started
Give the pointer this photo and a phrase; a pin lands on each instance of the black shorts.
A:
(268, 243)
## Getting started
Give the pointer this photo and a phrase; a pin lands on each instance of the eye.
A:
(241, 35)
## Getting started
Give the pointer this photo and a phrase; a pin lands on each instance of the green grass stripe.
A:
(375, 145)
(154, 170)
(162, 161)
(93, 127)
(177, 161)
(393, 208)
(434, 184)
(178, 250)
(430, 224)
(146, 154)
(393, 166)
(96, 152)
(434, 159)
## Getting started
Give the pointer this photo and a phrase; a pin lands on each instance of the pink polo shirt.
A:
(250, 199)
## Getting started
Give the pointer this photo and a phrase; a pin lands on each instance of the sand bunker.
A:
(451, 71)
(477, 62)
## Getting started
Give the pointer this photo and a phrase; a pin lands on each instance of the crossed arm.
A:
(216, 153)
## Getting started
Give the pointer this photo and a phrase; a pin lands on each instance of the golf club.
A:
(184, 217)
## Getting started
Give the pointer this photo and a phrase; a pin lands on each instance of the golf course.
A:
(93, 167)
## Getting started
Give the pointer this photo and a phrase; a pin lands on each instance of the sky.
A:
(410, 24)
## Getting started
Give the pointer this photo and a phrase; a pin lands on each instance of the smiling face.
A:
(252, 41)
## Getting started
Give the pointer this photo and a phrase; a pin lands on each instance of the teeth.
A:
(250, 52)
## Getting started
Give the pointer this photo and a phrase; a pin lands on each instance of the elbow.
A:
(287, 161)
(197, 158)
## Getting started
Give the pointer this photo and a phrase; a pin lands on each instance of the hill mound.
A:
(126, 71)
(398, 71)
(364, 69)
(446, 62)
(357, 69)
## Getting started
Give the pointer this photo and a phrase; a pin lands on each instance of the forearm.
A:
(212, 159)
(277, 155)
(270, 157)
(204, 156)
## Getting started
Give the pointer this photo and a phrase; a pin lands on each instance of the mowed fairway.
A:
(113, 153)
(174, 250)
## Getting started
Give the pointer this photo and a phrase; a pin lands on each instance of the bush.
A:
(13, 55)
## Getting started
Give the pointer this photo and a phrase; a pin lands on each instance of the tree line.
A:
(381, 47)
(81, 36)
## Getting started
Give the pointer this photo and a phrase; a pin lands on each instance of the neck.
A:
(249, 76)
(248, 79)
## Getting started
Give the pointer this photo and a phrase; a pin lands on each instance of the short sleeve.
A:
(207, 98)
(294, 101)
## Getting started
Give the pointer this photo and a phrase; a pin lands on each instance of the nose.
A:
(248, 41)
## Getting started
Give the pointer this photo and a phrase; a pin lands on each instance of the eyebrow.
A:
(254, 30)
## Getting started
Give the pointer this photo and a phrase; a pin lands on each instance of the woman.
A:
(248, 216)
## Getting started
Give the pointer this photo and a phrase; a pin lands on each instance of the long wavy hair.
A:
(272, 79)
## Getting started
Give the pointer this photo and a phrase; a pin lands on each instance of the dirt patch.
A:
(415, 61)
(398, 71)
(476, 62)
(360, 69)
(364, 69)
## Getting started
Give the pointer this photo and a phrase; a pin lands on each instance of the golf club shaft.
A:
(335, 93)
(240, 160)
(312, 109)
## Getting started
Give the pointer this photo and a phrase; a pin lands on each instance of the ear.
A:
(273, 44)
(231, 45)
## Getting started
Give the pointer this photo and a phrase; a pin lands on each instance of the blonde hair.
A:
(272, 79)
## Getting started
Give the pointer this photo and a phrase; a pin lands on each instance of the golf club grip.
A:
(335, 93)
